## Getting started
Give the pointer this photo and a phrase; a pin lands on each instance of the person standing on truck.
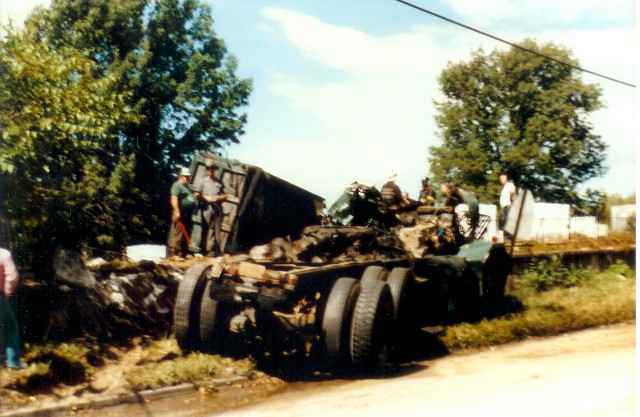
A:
(454, 196)
(427, 194)
(211, 192)
(9, 330)
(390, 199)
(390, 194)
(183, 203)
(507, 195)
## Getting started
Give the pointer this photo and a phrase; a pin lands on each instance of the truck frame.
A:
(348, 316)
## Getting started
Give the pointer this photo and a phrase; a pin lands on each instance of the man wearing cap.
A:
(427, 194)
(390, 194)
(211, 192)
(183, 203)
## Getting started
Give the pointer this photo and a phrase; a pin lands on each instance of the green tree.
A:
(59, 120)
(181, 78)
(521, 113)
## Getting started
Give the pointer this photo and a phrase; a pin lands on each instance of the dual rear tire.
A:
(196, 316)
(361, 318)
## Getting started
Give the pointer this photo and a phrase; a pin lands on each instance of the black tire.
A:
(211, 326)
(374, 273)
(186, 311)
(336, 321)
(401, 285)
(371, 326)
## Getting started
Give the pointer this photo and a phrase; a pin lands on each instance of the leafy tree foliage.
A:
(181, 77)
(59, 121)
(593, 203)
(521, 113)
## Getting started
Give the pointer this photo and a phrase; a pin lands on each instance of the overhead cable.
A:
(513, 44)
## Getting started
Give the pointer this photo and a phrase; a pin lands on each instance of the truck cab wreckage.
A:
(346, 293)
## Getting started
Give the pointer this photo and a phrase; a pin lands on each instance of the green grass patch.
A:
(197, 368)
(143, 364)
(555, 300)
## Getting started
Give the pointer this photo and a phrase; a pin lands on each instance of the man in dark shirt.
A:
(183, 203)
(427, 194)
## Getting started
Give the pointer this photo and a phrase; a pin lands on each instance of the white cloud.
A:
(486, 13)
(377, 114)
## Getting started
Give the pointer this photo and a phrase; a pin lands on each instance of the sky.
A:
(344, 90)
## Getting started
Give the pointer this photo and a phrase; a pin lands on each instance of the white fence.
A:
(553, 223)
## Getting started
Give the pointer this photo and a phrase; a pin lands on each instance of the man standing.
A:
(183, 203)
(506, 198)
(427, 194)
(390, 194)
(9, 330)
(211, 192)
(454, 196)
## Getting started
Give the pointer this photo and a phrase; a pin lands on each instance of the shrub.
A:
(548, 273)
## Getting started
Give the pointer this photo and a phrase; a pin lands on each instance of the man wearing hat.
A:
(183, 203)
(211, 192)
(427, 194)
(390, 194)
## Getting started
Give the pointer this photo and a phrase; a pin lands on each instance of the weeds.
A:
(196, 368)
(555, 300)
(549, 273)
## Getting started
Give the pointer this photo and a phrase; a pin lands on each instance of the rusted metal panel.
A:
(260, 206)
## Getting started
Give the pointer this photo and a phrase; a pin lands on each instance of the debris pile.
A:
(324, 244)
(121, 299)
(111, 300)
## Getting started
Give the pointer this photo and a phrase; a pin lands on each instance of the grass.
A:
(197, 368)
(140, 364)
(555, 301)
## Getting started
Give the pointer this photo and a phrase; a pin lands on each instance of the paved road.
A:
(584, 374)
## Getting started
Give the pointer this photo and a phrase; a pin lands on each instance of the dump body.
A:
(260, 206)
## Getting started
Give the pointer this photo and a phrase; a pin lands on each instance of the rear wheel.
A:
(371, 325)
(211, 323)
(374, 273)
(401, 285)
(186, 311)
(337, 319)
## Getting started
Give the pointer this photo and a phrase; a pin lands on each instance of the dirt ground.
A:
(586, 373)
(20, 389)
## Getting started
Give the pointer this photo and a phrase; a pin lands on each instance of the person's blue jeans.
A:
(9, 331)
(504, 221)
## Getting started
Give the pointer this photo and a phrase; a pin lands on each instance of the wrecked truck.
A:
(346, 294)
(260, 205)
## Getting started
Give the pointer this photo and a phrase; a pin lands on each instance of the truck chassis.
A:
(348, 316)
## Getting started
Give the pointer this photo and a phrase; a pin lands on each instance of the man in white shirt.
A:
(507, 195)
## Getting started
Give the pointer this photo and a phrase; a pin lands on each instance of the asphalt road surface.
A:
(585, 374)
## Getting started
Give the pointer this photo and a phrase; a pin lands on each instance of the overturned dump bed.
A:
(260, 206)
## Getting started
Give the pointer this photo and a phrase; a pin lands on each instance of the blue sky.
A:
(344, 90)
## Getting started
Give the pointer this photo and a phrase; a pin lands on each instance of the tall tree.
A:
(58, 121)
(182, 79)
(522, 113)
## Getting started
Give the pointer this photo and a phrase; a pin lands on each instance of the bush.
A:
(621, 268)
(548, 273)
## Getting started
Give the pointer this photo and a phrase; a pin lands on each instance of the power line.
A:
(513, 44)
